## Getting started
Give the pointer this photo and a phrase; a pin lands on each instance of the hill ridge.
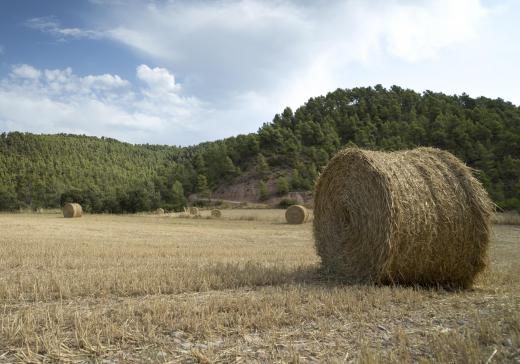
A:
(105, 174)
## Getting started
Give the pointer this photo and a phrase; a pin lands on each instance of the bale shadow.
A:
(256, 275)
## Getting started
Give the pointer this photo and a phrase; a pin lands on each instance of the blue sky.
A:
(183, 72)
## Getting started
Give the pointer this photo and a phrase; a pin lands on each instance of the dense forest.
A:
(105, 175)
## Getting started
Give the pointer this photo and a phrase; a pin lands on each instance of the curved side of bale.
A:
(216, 213)
(72, 210)
(296, 214)
(159, 211)
(194, 210)
(413, 217)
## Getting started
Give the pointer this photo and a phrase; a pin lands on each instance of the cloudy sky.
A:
(183, 72)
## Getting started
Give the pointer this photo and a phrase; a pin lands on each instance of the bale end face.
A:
(72, 210)
(216, 213)
(296, 214)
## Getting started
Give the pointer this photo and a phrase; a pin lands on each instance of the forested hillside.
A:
(107, 175)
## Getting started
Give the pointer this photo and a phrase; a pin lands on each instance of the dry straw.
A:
(216, 213)
(296, 214)
(412, 217)
(72, 210)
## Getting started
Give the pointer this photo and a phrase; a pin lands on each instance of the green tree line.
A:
(106, 175)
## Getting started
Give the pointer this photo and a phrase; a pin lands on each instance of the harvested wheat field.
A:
(118, 289)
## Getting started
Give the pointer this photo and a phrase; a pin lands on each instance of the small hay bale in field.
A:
(39, 210)
(159, 211)
(296, 214)
(411, 217)
(72, 210)
(216, 213)
(194, 211)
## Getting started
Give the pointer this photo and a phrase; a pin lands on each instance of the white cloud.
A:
(25, 71)
(260, 36)
(104, 82)
(157, 79)
(278, 53)
(241, 61)
(52, 26)
(103, 105)
(415, 32)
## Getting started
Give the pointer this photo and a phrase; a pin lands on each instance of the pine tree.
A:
(262, 168)
(262, 191)
(199, 164)
(202, 186)
(282, 186)
(178, 200)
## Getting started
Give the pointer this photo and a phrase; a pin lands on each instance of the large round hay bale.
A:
(216, 213)
(72, 210)
(159, 211)
(412, 217)
(296, 214)
(194, 211)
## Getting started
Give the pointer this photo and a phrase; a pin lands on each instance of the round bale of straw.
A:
(216, 213)
(296, 214)
(410, 217)
(72, 210)
(194, 210)
(159, 211)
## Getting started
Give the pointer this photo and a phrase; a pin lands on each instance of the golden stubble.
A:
(245, 287)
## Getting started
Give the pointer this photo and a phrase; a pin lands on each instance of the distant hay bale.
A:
(194, 211)
(39, 210)
(72, 210)
(159, 211)
(411, 217)
(216, 213)
(296, 214)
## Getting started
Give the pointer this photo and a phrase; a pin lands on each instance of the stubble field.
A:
(244, 288)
